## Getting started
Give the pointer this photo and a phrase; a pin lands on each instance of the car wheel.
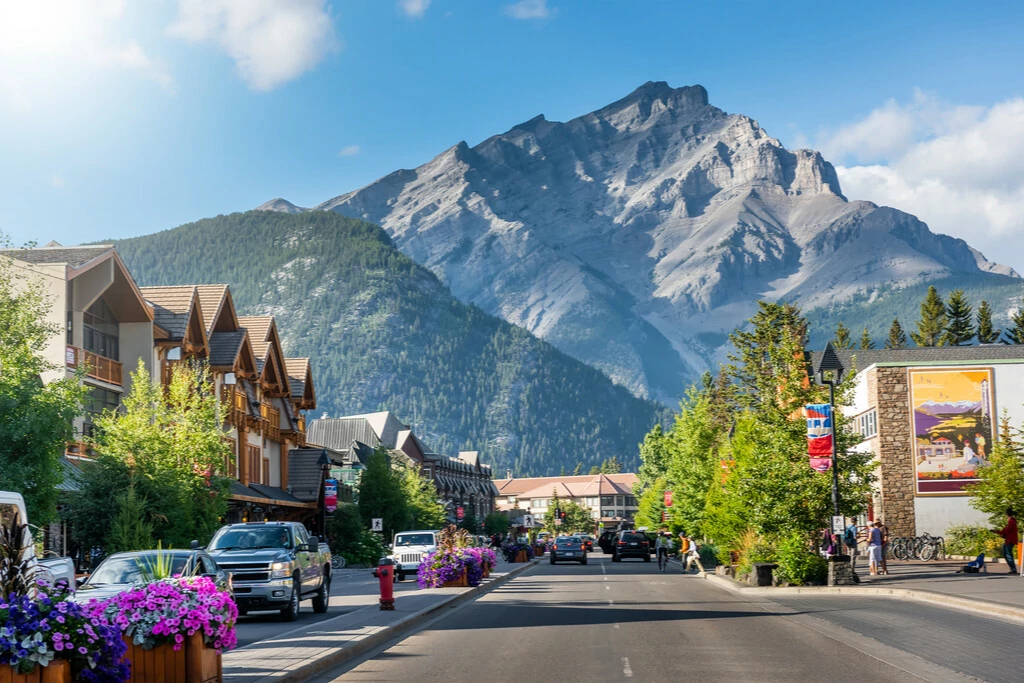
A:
(242, 612)
(647, 558)
(291, 612)
(616, 558)
(399, 576)
(322, 599)
(552, 556)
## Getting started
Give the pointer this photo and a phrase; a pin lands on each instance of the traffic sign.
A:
(528, 520)
(558, 521)
(838, 524)
(377, 524)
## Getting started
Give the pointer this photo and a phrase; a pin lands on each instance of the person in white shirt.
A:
(692, 556)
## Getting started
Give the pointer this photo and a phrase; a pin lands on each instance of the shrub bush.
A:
(752, 548)
(971, 540)
(367, 549)
(798, 561)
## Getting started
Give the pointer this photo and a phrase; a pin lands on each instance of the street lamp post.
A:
(830, 371)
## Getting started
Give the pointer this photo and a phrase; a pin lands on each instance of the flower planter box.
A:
(521, 556)
(461, 582)
(195, 662)
(58, 671)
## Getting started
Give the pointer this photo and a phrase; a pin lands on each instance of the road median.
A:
(302, 653)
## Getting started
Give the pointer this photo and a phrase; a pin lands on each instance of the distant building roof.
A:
(224, 347)
(340, 432)
(259, 333)
(863, 358)
(572, 486)
(172, 307)
(211, 299)
(306, 473)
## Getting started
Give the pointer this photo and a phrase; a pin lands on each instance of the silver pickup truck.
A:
(274, 566)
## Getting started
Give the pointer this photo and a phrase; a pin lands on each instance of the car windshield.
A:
(633, 537)
(405, 540)
(256, 537)
(132, 569)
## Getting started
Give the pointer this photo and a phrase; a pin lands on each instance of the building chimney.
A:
(508, 474)
(324, 416)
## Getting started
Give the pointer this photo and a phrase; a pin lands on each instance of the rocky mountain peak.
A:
(637, 236)
(282, 205)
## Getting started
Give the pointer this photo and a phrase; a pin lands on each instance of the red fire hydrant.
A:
(385, 572)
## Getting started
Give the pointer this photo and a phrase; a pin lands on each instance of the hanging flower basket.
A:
(58, 671)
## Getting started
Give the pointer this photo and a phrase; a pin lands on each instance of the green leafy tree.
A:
(169, 445)
(345, 527)
(651, 503)
(842, 339)
(129, 529)
(1015, 335)
(381, 494)
(495, 523)
(654, 459)
(469, 522)
(987, 334)
(425, 510)
(1001, 483)
(897, 338)
(35, 418)
(959, 324)
(866, 342)
(932, 324)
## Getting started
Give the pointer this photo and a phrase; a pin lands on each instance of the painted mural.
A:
(952, 419)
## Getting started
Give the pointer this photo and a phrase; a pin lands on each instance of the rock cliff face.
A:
(637, 236)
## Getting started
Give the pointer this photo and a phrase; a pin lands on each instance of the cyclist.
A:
(662, 546)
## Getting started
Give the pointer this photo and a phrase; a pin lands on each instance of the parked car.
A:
(120, 571)
(588, 541)
(631, 544)
(408, 549)
(568, 548)
(50, 569)
(274, 566)
(606, 541)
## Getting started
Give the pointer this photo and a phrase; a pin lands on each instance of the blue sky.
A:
(122, 117)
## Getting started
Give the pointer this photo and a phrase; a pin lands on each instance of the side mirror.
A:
(81, 579)
(194, 545)
(315, 541)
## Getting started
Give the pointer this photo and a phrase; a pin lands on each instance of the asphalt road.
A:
(350, 590)
(619, 621)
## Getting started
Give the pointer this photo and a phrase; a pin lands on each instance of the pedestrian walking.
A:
(875, 548)
(885, 545)
(850, 539)
(692, 556)
(1010, 539)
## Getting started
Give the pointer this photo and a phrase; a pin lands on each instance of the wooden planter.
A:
(461, 582)
(521, 556)
(59, 671)
(193, 663)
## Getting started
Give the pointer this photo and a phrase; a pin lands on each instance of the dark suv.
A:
(631, 544)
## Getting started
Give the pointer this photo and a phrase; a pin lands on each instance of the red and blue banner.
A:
(331, 494)
(819, 435)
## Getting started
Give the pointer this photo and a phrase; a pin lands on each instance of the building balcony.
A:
(96, 366)
(272, 421)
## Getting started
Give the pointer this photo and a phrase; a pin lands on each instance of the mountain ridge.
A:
(636, 236)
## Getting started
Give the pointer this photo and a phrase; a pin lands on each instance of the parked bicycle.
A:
(338, 561)
(924, 547)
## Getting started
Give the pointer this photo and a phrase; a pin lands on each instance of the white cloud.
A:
(49, 46)
(349, 151)
(958, 168)
(528, 9)
(414, 8)
(270, 41)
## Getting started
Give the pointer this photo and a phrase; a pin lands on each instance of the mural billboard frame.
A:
(952, 426)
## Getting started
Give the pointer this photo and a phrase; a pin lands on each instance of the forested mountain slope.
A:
(384, 332)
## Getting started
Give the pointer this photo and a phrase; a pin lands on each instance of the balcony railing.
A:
(272, 419)
(96, 366)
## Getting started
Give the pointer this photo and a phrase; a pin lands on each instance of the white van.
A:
(51, 570)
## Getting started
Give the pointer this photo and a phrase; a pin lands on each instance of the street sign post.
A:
(838, 524)
(377, 524)
(528, 521)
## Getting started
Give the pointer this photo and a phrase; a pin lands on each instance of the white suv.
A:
(408, 550)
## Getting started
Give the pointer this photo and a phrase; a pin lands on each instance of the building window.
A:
(618, 500)
(607, 500)
(230, 465)
(630, 501)
(867, 424)
(607, 513)
(266, 471)
(96, 403)
(100, 330)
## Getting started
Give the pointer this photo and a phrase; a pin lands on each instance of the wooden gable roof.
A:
(300, 377)
(176, 309)
(266, 345)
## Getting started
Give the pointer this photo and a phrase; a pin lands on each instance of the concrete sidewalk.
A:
(299, 653)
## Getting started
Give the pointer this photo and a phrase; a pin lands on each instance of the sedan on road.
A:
(569, 548)
(122, 571)
(631, 544)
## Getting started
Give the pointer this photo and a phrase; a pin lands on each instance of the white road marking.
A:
(607, 588)
(611, 602)
(603, 569)
(615, 625)
(626, 670)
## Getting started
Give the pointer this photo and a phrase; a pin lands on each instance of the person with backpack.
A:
(692, 554)
(850, 541)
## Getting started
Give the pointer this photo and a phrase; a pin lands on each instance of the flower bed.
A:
(449, 568)
(48, 627)
(517, 552)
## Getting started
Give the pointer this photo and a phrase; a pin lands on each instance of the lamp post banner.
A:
(819, 435)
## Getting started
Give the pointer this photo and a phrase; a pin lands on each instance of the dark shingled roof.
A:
(262, 491)
(224, 347)
(171, 307)
(339, 433)
(297, 368)
(861, 359)
(76, 257)
(305, 472)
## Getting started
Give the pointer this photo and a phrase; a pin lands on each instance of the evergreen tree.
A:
(843, 338)
(381, 494)
(1015, 335)
(932, 324)
(897, 338)
(129, 530)
(35, 419)
(865, 340)
(425, 511)
(959, 326)
(987, 334)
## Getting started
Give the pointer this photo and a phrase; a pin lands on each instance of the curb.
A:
(982, 607)
(409, 623)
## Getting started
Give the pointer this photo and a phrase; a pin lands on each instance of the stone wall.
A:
(895, 451)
